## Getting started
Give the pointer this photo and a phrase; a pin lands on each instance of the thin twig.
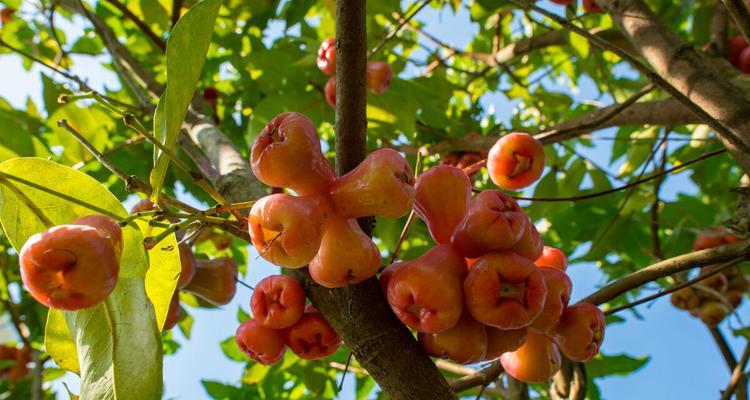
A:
(158, 41)
(737, 374)
(398, 29)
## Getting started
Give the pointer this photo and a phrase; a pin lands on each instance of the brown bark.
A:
(688, 72)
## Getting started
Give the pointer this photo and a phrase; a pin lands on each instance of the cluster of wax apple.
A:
(715, 297)
(319, 226)
(490, 288)
(378, 79)
(281, 319)
(73, 266)
(212, 280)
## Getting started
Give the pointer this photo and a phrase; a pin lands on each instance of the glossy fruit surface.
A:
(442, 195)
(329, 91)
(500, 342)
(261, 344)
(278, 301)
(382, 185)
(347, 255)
(537, 360)
(287, 230)
(327, 57)
(426, 293)
(464, 343)
(215, 280)
(312, 338)
(493, 221)
(187, 265)
(552, 257)
(515, 161)
(580, 332)
(287, 154)
(559, 287)
(505, 290)
(379, 75)
(531, 245)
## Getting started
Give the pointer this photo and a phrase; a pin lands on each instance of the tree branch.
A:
(668, 267)
(483, 377)
(155, 39)
(737, 374)
(741, 15)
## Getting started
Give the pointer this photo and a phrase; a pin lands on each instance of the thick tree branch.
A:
(359, 313)
(710, 92)
(668, 267)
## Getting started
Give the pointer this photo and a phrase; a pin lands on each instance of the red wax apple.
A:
(559, 287)
(580, 332)
(330, 91)
(261, 344)
(287, 154)
(591, 6)
(464, 343)
(552, 257)
(347, 255)
(74, 266)
(500, 342)
(379, 75)
(278, 301)
(442, 195)
(287, 230)
(174, 313)
(312, 338)
(425, 293)
(530, 245)
(187, 265)
(493, 221)
(537, 360)
(505, 290)
(382, 185)
(215, 280)
(515, 161)
(327, 57)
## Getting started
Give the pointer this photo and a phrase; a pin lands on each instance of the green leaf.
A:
(118, 342)
(163, 270)
(186, 53)
(59, 342)
(621, 364)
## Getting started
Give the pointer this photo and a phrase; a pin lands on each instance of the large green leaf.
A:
(119, 346)
(164, 269)
(186, 53)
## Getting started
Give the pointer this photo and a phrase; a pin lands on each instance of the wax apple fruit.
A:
(743, 62)
(500, 342)
(734, 49)
(379, 75)
(330, 91)
(559, 287)
(347, 255)
(287, 230)
(327, 57)
(174, 313)
(686, 299)
(713, 312)
(425, 293)
(552, 257)
(530, 245)
(580, 331)
(187, 265)
(493, 221)
(590, 6)
(535, 361)
(278, 302)
(464, 343)
(74, 266)
(515, 161)
(287, 154)
(505, 290)
(382, 185)
(312, 338)
(717, 282)
(261, 344)
(215, 280)
(442, 195)
(19, 368)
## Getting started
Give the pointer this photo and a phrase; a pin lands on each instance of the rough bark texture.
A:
(689, 72)
(359, 313)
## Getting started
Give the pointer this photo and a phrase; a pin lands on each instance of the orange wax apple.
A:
(287, 154)
(442, 195)
(580, 332)
(552, 257)
(379, 75)
(515, 161)
(215, 280)
(500, 341)
(347, 255)
(425, 293)
(537, 360)
(382, 185)
(287, 230)
(505, 290)
(531, 245)
(312, 338)
(464, 343)
(493, 221)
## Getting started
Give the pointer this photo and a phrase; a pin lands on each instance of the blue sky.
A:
(685, 363)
